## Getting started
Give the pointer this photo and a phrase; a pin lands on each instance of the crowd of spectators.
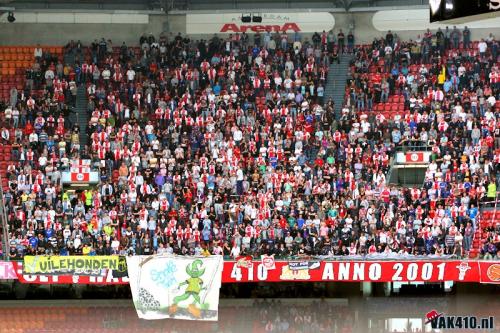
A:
(227, 146)
(266, 315)
(274, 316)
(450, 91)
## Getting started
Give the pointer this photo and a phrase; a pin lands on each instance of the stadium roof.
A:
(203, 4)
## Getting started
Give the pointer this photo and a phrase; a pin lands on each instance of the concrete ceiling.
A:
(203, 4)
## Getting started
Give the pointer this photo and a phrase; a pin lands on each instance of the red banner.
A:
(415, 157)
(353, 271)
(490, 272)
(80, 176)
(7, 271)
(246, 270)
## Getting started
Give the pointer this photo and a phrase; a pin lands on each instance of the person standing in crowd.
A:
(467, 37)
(341, 41)
(455, 37)
(202, 143)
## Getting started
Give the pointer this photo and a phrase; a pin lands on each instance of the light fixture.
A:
(449, 8)
(449, 5)
(246, 18)
(435, 5)
(257, 18)
(11, 17)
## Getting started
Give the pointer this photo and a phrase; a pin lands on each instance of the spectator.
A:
(38, 52)
(204, 143)
(350, 42)
(466, 36)
(341, 41)
(455, 37)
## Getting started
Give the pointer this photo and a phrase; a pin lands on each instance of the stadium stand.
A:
(261, 317)
(226, 147)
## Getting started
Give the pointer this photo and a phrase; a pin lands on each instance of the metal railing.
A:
(495, 207)
(493, 202)
(5, 226)
(480, 216)
(409, 146)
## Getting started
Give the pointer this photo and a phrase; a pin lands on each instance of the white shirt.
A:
(491, 100)
(42, 161)
(8, 113)
(106, 74)
(33, 137)
(6, 135)
(49, 74)
(235, 251)
(482, 46)
(237, 135)
(365, 126)
(155, 144)
(149, 129)
(461, 70)
(130, 74)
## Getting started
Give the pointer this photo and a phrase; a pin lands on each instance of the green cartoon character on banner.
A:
(194, 288)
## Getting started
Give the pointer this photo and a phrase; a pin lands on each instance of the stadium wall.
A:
(407, 23)
(56, 28)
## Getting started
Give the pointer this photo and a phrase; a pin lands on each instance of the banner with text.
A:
(73, 265)
(351, 271)
(245, 269)
(175, 287)
(231, 23)
(109, 278)
(7, 271)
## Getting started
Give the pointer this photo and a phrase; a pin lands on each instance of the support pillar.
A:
(366, 288)
(387, 289)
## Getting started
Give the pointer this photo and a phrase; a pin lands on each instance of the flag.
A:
(415, 157)
(175, 287)
(80, 176)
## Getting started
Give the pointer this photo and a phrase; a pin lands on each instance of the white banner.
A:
(175, 287)
(274, 22)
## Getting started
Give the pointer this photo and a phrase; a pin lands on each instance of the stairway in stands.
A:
(489, 218)
(69, 58)
(337, 78)
(5, 158)
(80, 116)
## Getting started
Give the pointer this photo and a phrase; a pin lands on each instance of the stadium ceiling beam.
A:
(169, 5)
(6, 9)
(346, 4)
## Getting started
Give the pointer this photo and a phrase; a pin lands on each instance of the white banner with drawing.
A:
(176, 287)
